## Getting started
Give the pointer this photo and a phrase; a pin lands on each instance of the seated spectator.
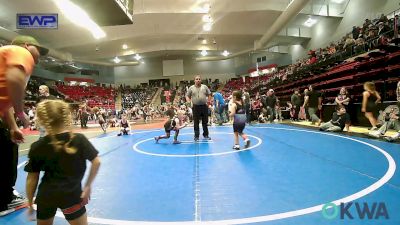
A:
(262, 118)
(340, 120)
(392, 121)
(313, 57)
(343, 98)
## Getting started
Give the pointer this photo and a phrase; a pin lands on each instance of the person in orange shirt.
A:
(16, 65)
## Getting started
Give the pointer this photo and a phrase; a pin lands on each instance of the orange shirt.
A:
(12, 55)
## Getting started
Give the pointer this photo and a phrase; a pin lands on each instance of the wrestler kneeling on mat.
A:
(175, 123)
(125, 126)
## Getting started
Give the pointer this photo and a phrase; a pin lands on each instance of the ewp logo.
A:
(375, 211)
(37, 21)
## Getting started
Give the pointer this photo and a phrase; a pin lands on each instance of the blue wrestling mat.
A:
(286, 177)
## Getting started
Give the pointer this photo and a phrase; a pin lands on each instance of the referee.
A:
(199, 94)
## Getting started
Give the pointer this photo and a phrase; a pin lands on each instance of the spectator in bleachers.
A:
(369, 103)
(355, 32)
(313, 57)
(383, 18)
(382, 28)
(359, 45)
(366, 24)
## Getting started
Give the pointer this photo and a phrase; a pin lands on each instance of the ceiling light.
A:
(137, 57)
(117, 60)
(79, 17)
(207, 18)
(206, 7)
(338, 1)
(124, 46)
(207, 27)
(310, 22)
(204, 42)
(225, 53)
(203, 52)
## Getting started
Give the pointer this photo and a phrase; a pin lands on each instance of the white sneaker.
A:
(375, 134)
(393, 137)
(17, 201)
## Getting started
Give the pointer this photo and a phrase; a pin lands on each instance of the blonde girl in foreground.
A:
(62, 156)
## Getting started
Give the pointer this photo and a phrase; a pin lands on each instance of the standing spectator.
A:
(295, 99)
(84, 115)
(44, 94)
(255, 107)
(16, 65)
(62, 156)
(246, 102)
(269, 104)
(219, 107)
(313, 100)
(278, 111)
(370, 98)
(198, 94)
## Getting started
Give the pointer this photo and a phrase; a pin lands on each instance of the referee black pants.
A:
(200, 112)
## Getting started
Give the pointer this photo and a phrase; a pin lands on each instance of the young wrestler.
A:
(176, 123)
(103, 120)
(124, 125)
(237, 111)
(369, 103)
(62, 156)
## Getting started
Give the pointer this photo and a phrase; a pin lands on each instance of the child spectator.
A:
(340, 120)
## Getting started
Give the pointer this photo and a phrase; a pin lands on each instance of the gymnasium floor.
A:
(285, 177)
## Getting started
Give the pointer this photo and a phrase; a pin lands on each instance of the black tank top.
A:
(239, 109)
(124, 125)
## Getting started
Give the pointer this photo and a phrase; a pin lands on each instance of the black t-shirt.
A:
(313, 97)
(340, 120)
(269, 101)
(63, 172)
